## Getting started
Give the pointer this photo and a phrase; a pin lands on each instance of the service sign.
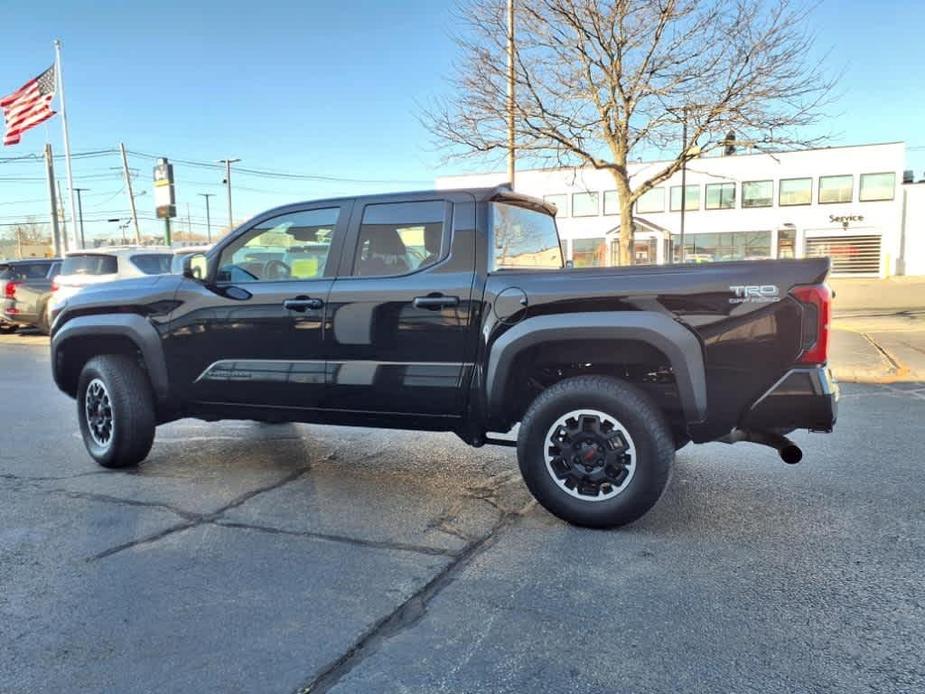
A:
(164, 198)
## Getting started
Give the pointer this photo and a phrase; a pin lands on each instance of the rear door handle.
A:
(302, 304)
(435, 302)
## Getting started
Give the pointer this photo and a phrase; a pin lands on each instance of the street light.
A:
(228, 163)
(208, 218)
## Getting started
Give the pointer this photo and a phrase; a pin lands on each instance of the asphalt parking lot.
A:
(248, 557)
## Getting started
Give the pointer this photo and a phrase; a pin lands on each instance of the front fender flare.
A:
(679, 344)
(136, 328)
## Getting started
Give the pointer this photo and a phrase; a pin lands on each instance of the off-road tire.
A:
(649, 433)
(131, 405)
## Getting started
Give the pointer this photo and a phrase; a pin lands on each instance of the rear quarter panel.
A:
(747, 345)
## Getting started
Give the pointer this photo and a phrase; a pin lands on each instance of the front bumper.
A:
(804, 398)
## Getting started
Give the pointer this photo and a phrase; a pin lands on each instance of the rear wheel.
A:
(595, 451)
(115, 408)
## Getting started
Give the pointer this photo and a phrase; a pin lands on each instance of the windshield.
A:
(524, 239)
(153, 263)
(89, 264)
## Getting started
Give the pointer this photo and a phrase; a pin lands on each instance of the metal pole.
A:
(228, 163)
(80, 212)
(189, 224)
(131, 196)
(167, 238)
(683, 181)
(63, 217)
(510, 93)
(55, 230)
(67, 139)
(208, 218)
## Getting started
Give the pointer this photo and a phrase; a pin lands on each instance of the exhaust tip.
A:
(791, 454)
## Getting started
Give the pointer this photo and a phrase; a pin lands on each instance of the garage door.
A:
(851, 255)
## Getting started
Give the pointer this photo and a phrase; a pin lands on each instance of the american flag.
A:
(28, 106)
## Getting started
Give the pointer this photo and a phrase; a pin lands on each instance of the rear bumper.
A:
(804, 398)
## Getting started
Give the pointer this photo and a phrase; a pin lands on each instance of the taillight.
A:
(54, 286)
(10, 291)
(817, 315)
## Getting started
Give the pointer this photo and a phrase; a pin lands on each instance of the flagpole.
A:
(67, 139)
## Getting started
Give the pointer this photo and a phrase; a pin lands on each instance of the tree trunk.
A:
(627, 227)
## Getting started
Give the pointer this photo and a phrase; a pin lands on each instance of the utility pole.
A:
(208, 217)
(228, 163)
(63, 217)
(131, 196)
(55, 230)
(683, 180)
(80, 212)
(510, 92)
(189, 223)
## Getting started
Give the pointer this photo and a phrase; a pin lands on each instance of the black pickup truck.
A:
(453, 311)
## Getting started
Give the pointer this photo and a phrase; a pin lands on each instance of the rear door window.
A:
(398, 238)
(90, 264)
(27, 271)
(153, 263)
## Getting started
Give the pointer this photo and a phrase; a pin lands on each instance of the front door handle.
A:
(433, 302)
(302, 304)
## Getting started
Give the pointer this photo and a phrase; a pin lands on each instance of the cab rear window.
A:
(153, 263)
(90, 264)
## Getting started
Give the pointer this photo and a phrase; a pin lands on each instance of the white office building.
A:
(849, 203)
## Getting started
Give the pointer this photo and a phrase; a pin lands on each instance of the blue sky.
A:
(328, 88)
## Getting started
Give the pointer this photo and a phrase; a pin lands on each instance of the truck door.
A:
(400, 310)
(254, 334)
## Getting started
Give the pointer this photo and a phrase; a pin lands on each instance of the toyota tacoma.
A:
(454, 311)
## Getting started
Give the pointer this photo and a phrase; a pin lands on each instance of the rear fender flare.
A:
(679, 344)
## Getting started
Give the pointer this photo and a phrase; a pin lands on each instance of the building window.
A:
(786, 243)
(795, 191)
(692, 201)
(589, 252)
(651, 201)
(721, 196)
(584, 204)
(835, 189)
(719, 247)
(560, 201)
(757, 193)
(877, 186)
(611, 202)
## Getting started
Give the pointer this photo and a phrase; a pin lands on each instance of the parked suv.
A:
(83, 268)
(25, 288)
(452, 311)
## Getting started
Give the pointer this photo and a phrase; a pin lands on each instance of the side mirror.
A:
(195, 267)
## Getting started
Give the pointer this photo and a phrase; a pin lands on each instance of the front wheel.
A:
(115, 408)
(595, 451)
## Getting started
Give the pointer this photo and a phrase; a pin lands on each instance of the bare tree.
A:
(28, 232)
(601, 82)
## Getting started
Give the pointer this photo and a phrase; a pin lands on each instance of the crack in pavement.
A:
(406, 615)
(345, 539)
(200, 519)
(106, 498)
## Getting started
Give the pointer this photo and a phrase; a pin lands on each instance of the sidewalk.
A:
(885, 348)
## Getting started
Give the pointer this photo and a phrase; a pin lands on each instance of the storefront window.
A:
(584, 204)
(795, 191)
(757, 193)
(719, 247)
(611, 202)
(877, 186)
(651, 201)
(786, 243)
(835, 189)
(560, 201)
(589, 252)
(721, 196)
(692, 202)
